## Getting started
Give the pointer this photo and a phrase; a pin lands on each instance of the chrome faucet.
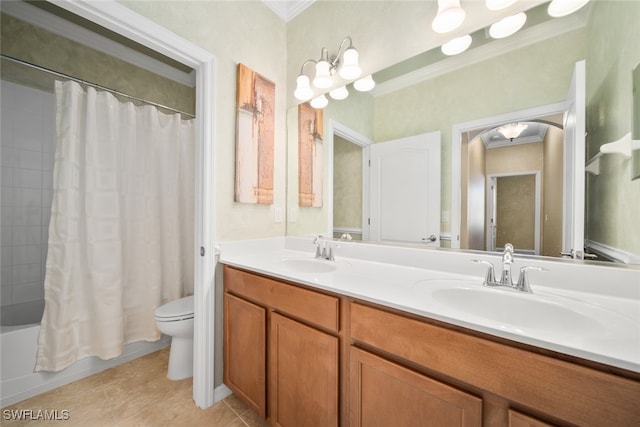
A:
(521, 285)
(324, 250)
(507, 260)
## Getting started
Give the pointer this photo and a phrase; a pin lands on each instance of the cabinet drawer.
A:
(314, 307)
(564, 390)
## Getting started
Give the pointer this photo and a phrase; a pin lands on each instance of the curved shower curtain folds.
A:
(121, 236)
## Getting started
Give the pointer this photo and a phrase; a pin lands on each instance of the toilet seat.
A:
(180, 309)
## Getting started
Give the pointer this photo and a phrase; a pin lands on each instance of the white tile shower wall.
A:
(28, 144)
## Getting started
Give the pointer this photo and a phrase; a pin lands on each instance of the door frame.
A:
(456, 151)
(124, 21)
(491, 205)
(345, 132)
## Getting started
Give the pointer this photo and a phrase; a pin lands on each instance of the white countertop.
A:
(579, 319)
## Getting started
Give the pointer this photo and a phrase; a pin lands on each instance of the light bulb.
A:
(350, 69)
(558, 8)
(339, 93)
(319, 102)
(457, 45)
(303, 91)
(323, 78)
(450, 16)
(507, 26)
(365, 84)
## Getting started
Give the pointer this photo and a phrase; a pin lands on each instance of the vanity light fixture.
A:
(365, 84)
(499, 4)
(457, 45)
(558, 8)
(319, 102)
(449, 17)
(512, 130)
(507, 26)
(339, 93)
(345, 62)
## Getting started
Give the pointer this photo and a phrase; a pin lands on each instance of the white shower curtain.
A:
(122, 225)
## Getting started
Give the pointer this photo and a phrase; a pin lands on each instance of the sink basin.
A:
(528, 312)
(308, 265)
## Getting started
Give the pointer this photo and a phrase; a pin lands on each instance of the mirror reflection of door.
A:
(405, 190)
(513, 213)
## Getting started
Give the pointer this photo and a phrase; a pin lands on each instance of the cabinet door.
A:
(386, 394)
(303, 375)
(245, 329)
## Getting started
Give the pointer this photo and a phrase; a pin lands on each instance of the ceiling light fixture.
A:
(449, 17)
(512, 130)
(457, 45)
(558, 8)
(507, 26)
(499, 4)
(345, 62)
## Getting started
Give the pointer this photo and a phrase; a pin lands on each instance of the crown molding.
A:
(288, 9)
(527, 37)
(60, 26)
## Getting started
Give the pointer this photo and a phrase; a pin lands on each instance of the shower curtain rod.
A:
(97, 86)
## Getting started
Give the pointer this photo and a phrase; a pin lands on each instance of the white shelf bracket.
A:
(624, 146)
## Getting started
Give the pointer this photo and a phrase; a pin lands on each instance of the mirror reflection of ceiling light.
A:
(339, 93)
(499, 4)
(319, 102)
(507, 26)
(512, 130)
(558, 8)
(365, 84)
(449, 17)
(457, 45)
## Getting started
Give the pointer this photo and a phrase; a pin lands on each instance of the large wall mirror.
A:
(526, 79)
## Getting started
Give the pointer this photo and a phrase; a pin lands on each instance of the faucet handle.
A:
(490, 277)
(523, 280)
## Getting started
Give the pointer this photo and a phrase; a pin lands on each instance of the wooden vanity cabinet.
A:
(517, 386)
(282, 349)
(302, 357)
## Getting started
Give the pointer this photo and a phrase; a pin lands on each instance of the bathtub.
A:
(19, 329)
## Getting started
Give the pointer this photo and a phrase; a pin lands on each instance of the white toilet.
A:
(175, 319)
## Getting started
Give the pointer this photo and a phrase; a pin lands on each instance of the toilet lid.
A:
(182, 308)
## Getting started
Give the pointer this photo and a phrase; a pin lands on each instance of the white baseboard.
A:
(221, 392)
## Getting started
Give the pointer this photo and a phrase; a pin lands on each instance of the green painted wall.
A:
(38, 46)
(612, 199)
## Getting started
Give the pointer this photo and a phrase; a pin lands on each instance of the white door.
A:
(574, 163)
(405, 190)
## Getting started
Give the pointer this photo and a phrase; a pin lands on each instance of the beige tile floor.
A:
(136, 393)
